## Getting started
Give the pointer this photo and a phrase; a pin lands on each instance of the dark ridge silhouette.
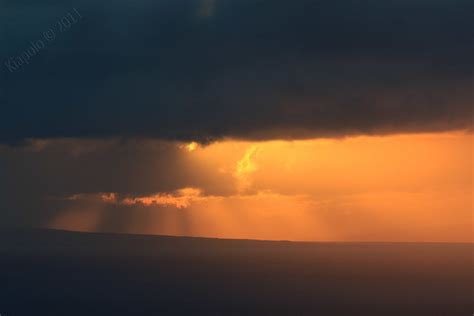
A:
(45, 272)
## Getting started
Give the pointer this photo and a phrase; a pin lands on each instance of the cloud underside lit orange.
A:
(390, 188)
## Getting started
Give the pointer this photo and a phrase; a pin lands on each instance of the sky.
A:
(272, 119)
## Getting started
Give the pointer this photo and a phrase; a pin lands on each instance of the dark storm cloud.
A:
(236, 68)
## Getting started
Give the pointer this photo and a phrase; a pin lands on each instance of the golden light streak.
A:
(390, 188)
(245, 167)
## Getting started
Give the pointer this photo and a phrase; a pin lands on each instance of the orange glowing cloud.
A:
(180, 199)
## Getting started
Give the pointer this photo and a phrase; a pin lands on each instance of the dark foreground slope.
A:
(61, 273)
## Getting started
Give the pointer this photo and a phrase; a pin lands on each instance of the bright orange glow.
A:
(192, 146)
(391, 188)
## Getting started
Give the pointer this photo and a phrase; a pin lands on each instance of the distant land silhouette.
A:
(47, 272)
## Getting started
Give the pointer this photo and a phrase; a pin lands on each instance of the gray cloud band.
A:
(272, 69)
